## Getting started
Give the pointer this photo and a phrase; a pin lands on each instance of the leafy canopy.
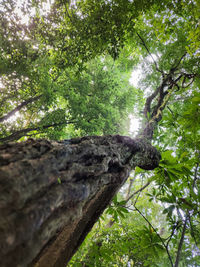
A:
(65, 68)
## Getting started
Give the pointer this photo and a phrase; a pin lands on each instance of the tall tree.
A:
(52, 192)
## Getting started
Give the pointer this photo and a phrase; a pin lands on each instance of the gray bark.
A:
(43, 221)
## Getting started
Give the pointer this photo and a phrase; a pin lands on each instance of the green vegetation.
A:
(65, 73)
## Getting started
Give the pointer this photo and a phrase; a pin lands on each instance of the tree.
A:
(81, 177)
(48, 67)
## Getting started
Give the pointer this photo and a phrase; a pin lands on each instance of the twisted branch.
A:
(161, 95)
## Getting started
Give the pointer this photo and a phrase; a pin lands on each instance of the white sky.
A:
(135, 77)
(25, 18)
(134, 125)
(134, 122)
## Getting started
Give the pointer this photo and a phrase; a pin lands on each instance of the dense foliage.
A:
(65, 68)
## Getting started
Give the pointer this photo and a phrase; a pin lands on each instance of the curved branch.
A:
(178, 63)
(163, 97)
(147, 107)
(191, 82)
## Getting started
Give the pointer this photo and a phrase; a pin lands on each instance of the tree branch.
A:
(19, 107)
(18, 134)
(179, 61)
(155, 115)
(192, 230)
(171, 235)
(128, 197)
(139, 190)
(144, 44)
(195, 176)
(166, 248)
(181, 242)
(129, 187)
(147, 107)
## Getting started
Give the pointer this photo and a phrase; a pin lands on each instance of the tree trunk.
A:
(52, 193)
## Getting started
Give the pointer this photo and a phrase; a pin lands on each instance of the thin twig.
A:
(139, 190)
(171, 235)
(181, 242)
(174, 68)
(144, 44)
(195, 176)
(192, 230)
(166, 248)
(129, 187)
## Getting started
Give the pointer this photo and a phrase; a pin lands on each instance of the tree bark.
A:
(52, 193)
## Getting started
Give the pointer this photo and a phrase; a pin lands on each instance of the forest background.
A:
(65, 72)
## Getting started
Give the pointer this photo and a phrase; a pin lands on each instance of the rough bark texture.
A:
(51, 193)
